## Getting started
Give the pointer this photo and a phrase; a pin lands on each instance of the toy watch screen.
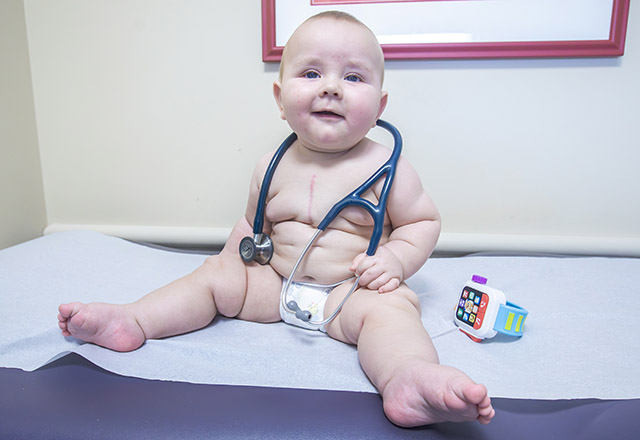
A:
(472, 306)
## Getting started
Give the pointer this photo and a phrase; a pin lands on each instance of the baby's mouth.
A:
(327, 114)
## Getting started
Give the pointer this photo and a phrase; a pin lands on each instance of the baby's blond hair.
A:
(332, 15)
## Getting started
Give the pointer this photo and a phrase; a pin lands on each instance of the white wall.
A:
(22, 210)
(151, 113)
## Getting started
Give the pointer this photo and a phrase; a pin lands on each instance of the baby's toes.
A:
(476, 394)
(64, 328)
(486, 415)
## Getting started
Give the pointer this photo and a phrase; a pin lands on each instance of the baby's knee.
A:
(403, 299)
(227, 282)
(373, 307)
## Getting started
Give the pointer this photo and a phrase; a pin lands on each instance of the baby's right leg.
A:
(223, 284)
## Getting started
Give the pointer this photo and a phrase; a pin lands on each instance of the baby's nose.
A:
(331, 87)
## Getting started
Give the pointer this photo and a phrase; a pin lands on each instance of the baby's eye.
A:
(311, 74)
(353, 77)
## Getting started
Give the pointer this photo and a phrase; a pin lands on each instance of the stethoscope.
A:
(259, 248)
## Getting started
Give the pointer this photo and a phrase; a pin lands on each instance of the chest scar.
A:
(310, 203)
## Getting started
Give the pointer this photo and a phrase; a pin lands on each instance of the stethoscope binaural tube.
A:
(260, 249)
(355, 198)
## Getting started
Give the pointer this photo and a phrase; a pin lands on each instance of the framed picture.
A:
(446, 29)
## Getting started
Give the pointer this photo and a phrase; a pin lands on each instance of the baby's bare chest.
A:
(307, 194)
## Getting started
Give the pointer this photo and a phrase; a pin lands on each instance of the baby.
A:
(330, 92)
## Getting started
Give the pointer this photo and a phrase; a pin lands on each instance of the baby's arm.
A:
(415, 225)
(254, 191)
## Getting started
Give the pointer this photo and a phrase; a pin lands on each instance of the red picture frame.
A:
(612, 47)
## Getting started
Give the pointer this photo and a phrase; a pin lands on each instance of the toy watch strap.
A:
(510, 319)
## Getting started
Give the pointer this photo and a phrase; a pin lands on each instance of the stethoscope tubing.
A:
(285, 289)
(355, 198)
(377, 212)
(258, 222)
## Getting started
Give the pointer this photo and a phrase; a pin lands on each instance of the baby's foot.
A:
(107, 325)
(423, 393)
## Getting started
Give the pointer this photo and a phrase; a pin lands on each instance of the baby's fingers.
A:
(383, 283)
(377, 279)
(369, 272)
(390, 286)
(356, 262)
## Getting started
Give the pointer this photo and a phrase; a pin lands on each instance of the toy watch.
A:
(482, 312)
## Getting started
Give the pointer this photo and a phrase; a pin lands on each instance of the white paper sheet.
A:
(579, 340)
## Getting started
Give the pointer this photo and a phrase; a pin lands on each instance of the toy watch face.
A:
(472, 306)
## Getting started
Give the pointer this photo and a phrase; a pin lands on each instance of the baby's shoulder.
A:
(370, 151)
(379, 153)
(370, 146)
(263, 162)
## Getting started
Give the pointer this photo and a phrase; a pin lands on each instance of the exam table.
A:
(73, 399)
(53, 387)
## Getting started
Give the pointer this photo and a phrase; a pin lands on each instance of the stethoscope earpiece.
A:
(303, 315)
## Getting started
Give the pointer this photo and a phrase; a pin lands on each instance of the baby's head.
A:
(330, 84)
(340, 17)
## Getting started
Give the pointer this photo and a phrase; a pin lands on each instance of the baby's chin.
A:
(331, 141)
(328, 147)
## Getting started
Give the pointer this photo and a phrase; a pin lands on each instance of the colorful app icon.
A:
(468, 306)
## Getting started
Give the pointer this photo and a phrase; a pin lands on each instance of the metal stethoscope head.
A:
(258, 248)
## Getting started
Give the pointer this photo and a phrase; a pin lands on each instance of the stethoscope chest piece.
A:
(258, 248)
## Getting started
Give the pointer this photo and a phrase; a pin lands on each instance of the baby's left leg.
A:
(398, 356)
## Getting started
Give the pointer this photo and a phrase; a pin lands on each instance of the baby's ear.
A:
(384, 97)
(277, 94)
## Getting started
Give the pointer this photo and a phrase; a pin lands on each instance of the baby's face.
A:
(330, 91)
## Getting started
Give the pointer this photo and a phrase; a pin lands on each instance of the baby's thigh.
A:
(365, 304)
(245, 291)
(262, 300)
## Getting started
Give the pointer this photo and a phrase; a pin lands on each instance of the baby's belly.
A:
(327, 261)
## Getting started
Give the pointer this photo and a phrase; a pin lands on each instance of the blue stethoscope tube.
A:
(355, 198)
(260, 248)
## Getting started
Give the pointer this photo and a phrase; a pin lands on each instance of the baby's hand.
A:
(382, 271)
